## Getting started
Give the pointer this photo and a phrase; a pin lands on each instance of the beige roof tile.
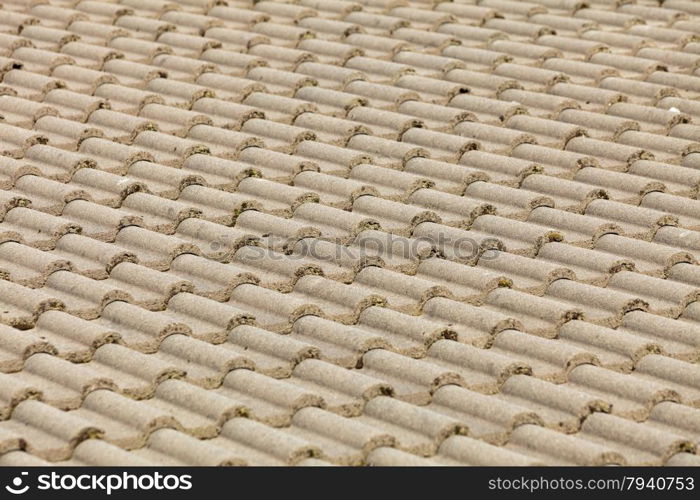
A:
(73, 338)
(49, 433)
(35, 228)
(508, 201)
(533, 275)
(447, 177)
(464, 450)
(401, 419)
(653, 448)
(28, 266)
(15, 349)
(23, 112)
(550, 447)
(661, 369)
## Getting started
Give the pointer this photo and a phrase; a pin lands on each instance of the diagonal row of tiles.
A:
(374, 145)
(680, 376)
(451, 410)
(192, 186)
(318, 434)
(285, 30)
(443, 361)
(21, 222)
(85, 275)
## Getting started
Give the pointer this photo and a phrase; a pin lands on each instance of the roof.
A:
(379, 232)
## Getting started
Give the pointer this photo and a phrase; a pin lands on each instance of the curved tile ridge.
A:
(379, 414)
(447, 363)
(631, 304)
